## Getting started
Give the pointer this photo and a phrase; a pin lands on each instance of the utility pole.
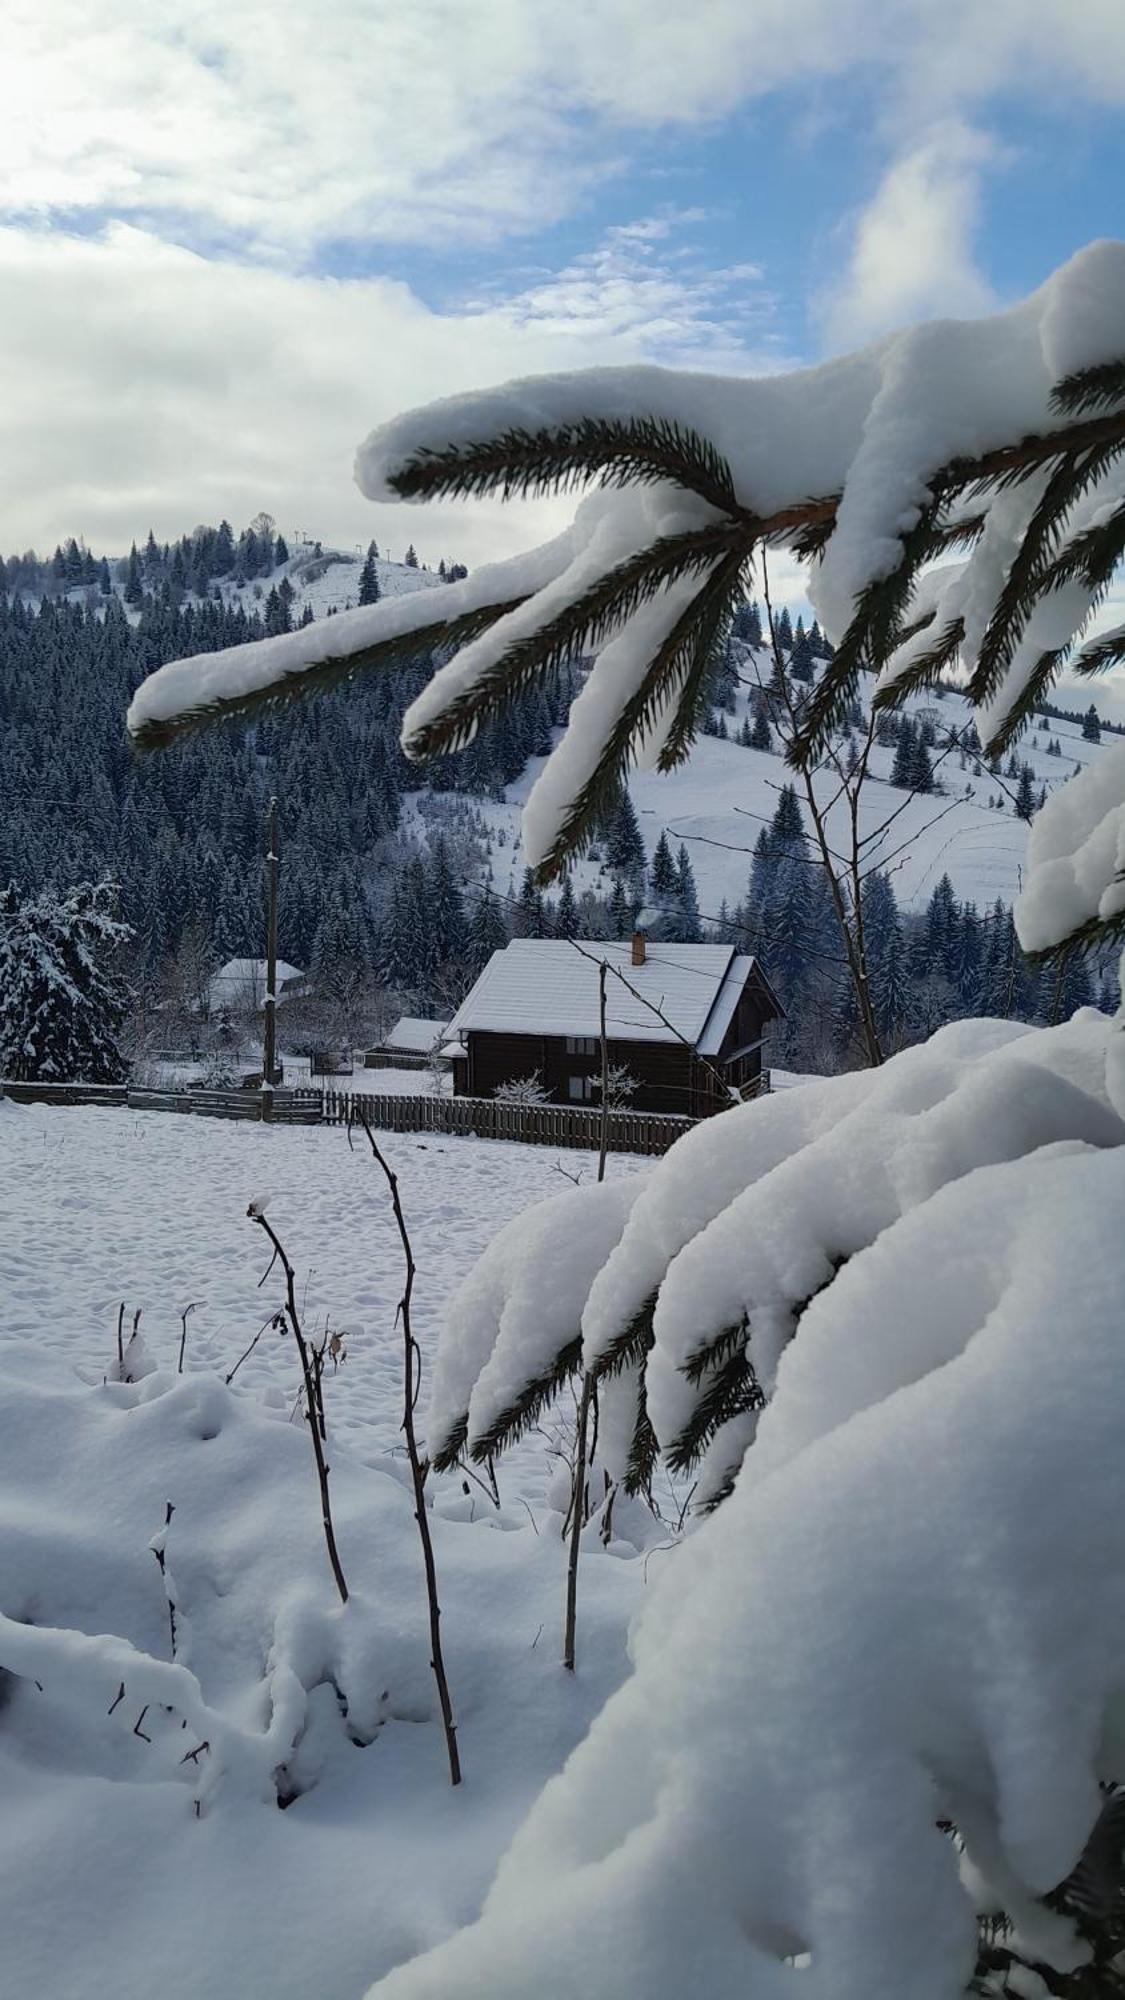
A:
(269, 1048)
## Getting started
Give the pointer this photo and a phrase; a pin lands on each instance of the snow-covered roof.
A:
(546, 986)
(415, 1033)
(241, 982)
(722, 1013)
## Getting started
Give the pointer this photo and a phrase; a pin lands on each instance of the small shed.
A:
(412, 1041)
(684, 1022)
(239, 986)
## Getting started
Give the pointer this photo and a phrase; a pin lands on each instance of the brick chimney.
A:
(638, 947)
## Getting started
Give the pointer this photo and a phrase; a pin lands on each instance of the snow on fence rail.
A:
(290, 1107)
(474, 1117)
(490, 1118)
(65, 1093)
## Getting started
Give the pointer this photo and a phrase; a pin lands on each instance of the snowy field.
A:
(109, 1877)
(143, 1206)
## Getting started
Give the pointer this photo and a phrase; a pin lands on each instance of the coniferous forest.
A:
(378, 899)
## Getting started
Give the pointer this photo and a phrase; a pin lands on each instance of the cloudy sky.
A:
(233, 237)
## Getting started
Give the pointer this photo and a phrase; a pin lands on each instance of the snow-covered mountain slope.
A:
(719, 800)
(330, 581)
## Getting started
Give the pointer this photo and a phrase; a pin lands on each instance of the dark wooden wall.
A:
(670, 1077)
(664, 1071)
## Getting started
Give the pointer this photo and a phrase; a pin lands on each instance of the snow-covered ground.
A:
(718, 802)
(108, 1205)
(109, 1881)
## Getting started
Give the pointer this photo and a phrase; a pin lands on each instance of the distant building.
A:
(414, 1035)
(688, 1024)
(239, 986)
(413, 1039)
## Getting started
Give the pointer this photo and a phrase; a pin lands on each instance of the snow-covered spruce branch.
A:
(913, 1623)
(1003, 437)
(680, 1290)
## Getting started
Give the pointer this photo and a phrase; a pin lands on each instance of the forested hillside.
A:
(182, 832)
(403, 879)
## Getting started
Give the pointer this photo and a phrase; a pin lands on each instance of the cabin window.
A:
(581, 1089)
(582, 1045)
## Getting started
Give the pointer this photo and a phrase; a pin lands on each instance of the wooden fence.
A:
(290, 1107)
(397, 1059)
(489, 1118)
(472, 1117)
(66, 1093)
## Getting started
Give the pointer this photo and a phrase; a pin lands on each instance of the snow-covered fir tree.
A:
(63, 999)
(369, 592)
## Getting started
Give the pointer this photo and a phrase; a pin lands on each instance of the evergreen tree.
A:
(566, 914)
(399, 948)
(906, 749)
(531, 915)
(688, 929)
(885, 953)
(1091, 727)
(488, 931)
(968, 959)
(338, 947)
(222, 561)
(410, 558)
(758, 891)
(783, 630)
(760, 737)
(624, 848)
(942, 919)
(801, 656)
(1025, 793)
(747, 624)
(787, 828)
(921, 777)
(446, 913)
(134, 588)
(369, 592)
(620, 913)
(997, 982)
(663, 877)
(278, 618)
(281, 550)
(62, 999)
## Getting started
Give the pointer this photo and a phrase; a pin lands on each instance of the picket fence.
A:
(489, 1118)
(574, 1126)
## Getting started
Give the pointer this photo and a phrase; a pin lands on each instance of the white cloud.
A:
(913, 248)
(150, 385)
(417, 120)
(656, 297)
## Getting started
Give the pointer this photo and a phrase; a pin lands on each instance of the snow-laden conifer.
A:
(62, 998)
(1002, 436)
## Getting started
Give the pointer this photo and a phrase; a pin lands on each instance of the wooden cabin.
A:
(685, 1021)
